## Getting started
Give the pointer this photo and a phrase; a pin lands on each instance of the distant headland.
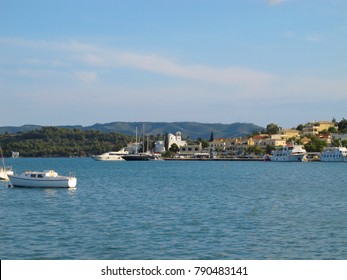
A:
(192, 130)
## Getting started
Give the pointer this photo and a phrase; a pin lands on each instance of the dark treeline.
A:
(62, 142)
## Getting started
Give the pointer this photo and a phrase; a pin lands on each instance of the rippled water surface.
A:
(178, 210)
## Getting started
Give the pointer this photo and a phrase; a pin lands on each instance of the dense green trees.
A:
(342, 125)
(273, 128)
(315, 145)
(53, 141)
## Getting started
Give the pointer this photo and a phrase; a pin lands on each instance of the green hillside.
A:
(61, 142)
(193, 130)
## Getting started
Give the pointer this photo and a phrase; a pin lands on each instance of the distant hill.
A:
(193, 130)
(15, 129)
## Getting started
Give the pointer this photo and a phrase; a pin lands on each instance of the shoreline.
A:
(215, 159)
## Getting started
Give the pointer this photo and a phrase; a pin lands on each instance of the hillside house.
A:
(316, 127)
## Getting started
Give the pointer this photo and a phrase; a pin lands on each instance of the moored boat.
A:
(141, 156)
(290, 152)
(111, 156)
(44, 179)
(4, 172)
(334, 154)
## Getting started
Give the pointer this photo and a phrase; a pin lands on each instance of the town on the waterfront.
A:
(321, 140)
(313, 141)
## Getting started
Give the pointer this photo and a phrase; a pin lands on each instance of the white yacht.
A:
(334, 154)
(290, 152)
(111, 156)
(44, 179)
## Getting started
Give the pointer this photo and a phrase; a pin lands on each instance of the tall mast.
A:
(147, 143)
(136, 141)
(2, 159)
(143, 146)
(3, 164)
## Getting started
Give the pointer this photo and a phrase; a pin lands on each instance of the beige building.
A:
(260, 140)
(230, 146)
(264, 140)
(217, 145)
(277, 142)
(316, 127)
(236, 146)
(291, 133)
(190, 150)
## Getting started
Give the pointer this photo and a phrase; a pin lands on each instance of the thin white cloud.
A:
(235, 76)
(85, 62)
(92, 55)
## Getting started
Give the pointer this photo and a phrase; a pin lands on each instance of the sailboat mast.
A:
(147, 143)
(143, 145)
(136, 141)
(2, 159)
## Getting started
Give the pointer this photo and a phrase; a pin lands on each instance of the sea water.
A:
(177, 210)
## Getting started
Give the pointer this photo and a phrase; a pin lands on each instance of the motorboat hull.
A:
(137, 157)
(111, 156)
(107, 158)
(53, 182)
(334, 154)
(289, 153)
(290, 158)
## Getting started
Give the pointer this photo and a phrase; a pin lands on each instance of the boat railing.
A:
(72, 174)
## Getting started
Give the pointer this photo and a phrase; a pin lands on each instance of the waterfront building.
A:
(236, 146)
(190, 150)
(159, 146)
(217, 146)
(260, 140)
(176, 139)
(276, 140)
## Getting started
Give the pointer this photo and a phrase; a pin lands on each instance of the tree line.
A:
(62, 142)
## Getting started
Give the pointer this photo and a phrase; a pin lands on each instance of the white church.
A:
(173, 139)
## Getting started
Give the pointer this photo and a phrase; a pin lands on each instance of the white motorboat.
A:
(44, 179)
(111, 156)
(4, 172)
(334, 154)
(290, 152)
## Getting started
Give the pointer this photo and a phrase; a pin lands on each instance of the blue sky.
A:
(85, 62)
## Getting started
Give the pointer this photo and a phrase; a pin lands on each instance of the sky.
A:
(81, 62)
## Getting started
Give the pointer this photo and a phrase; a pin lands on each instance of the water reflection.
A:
(50, 192)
